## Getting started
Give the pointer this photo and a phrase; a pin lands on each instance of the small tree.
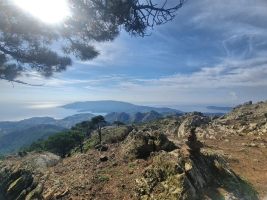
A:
(98, 122)
(85, 127)
(36, 146)
(60, 144)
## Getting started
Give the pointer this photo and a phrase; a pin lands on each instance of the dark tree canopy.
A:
(98, 120)
(27, 44)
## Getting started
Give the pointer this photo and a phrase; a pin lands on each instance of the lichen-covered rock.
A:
(192, 120)
(178, 175)
(246, 119)
(36, 193)
(15, 184)
(141, 143)
(20, 177)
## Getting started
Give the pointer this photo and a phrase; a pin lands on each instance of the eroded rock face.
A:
(191, 120)
(18, 184)
(22, 177)
(140, 144)
(180, 175)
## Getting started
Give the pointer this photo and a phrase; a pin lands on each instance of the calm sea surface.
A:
(14, 112)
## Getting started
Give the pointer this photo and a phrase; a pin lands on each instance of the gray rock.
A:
(191, 121)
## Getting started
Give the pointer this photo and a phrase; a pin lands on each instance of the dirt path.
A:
(247, 156)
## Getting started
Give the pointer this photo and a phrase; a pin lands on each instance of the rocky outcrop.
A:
(22, 177)
(139, 144)
(192, 120)
(247, 119)
(18, 184)
(181, 175)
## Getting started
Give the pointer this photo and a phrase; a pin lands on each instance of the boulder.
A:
(101, 147)
(141, 143)
(192, 120)
(44, 160)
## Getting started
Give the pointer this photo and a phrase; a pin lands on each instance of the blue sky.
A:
(214, 52)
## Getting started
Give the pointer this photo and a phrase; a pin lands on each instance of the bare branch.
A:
(21, 82)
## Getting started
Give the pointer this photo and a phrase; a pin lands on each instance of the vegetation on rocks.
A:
(180, 175)
(60, 143)
(140, 144)
(109, 135)
(22, 178)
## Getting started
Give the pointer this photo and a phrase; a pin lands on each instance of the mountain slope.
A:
(114, 106)
(8, 127)
(14, 135)
(68, 122)
(137, 117)
(17, 139)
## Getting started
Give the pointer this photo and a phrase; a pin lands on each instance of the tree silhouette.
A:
(27, 45)
(99, 122)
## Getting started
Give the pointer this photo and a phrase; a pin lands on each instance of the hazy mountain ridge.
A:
(14, 135)
(67, 122)
(109, 106)
(26, 131)
(134, 114)
(13, 141)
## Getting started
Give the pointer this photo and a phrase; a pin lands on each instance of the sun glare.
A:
(48, 11)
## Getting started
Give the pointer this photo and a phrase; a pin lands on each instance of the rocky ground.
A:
(154, 161)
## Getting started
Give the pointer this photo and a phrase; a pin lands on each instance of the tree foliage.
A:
(64, 142)
(98, 122)
(61, 143)
(27, 44)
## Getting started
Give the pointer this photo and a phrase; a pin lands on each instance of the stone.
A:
(35, 193)
(101, 147)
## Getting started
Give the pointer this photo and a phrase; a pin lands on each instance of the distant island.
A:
(109, 106)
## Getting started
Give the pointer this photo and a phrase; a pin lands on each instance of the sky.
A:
(213, 53)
